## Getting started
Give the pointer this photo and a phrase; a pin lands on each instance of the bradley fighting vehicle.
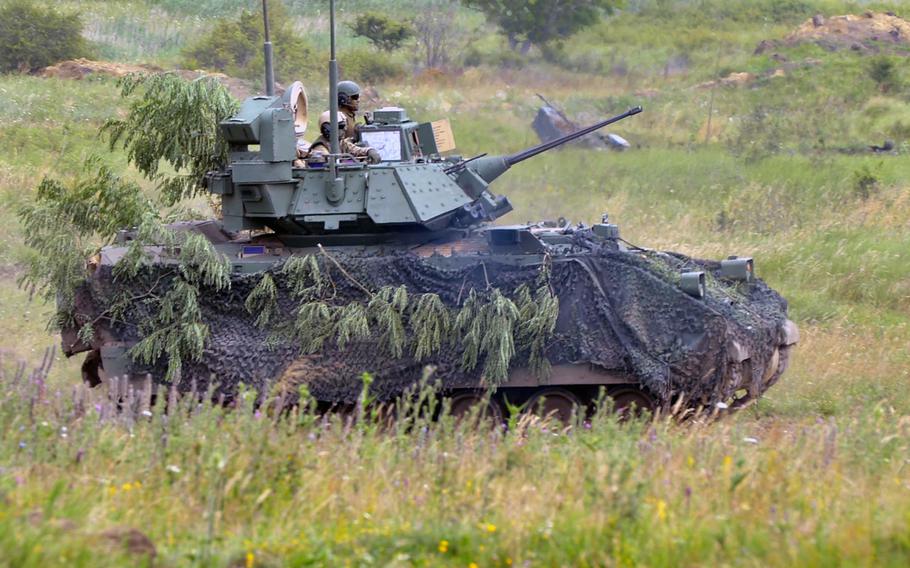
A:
(548, 314)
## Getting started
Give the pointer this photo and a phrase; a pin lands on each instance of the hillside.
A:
(755, 141)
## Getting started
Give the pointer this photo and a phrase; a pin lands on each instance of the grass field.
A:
(817, 473)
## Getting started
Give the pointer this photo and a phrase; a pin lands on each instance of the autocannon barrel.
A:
(517, 157)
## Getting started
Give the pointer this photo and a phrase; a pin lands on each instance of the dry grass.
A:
(212, 486)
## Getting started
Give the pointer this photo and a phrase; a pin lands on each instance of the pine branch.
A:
(386, 310)
(430, 324)
(176, 332)
(352, 324)
(263, 300)
(315, 324)
(305, 277)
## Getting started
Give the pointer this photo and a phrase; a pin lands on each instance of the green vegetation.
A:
(234, 46)
(245, 485)
(66, 225)
(33, 36)
(383, 32)
(814, 474)
(539, 23)
(174, 123)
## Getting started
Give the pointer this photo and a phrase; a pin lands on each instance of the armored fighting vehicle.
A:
(340, 268)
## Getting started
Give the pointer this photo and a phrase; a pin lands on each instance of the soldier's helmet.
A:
(325, 119)
(348, 94)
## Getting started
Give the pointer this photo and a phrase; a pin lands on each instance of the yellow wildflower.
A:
(443, 546)
(250, 559)
(508, 561)
(112, 490)
(491, 528)
(126, 487)
(472, 565)
(661, 510)
(728, 465)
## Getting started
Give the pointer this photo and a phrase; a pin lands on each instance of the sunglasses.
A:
(355, 97)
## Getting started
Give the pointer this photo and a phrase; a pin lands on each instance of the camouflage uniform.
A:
(350, 122)
(321, 148)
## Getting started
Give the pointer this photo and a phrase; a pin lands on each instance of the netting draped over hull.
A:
(622, 311)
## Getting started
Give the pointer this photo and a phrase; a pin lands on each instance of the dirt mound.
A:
(870, 32)
(78, 69)
(81, 68)
(732, 80)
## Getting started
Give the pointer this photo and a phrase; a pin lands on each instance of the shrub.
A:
(883, 71)
(386, 34)
(505, 59)
(367, 66)
(538, 23)
(234, 47)
(865, 182)
(32, 36)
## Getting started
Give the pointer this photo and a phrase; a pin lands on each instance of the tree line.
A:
(34, 35)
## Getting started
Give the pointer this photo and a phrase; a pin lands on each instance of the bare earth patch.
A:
(78, 69)
(870, 32)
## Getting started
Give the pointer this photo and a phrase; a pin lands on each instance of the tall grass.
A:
(240, 485)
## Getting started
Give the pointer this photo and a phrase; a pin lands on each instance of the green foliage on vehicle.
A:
(67, 223)
(175, 329)
(487, 326)
(173, 122)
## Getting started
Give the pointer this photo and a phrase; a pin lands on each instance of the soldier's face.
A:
(353, 102)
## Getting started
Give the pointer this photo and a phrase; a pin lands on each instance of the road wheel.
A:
(631, 401)
(465, 403)
(554, 402)
(91, 368)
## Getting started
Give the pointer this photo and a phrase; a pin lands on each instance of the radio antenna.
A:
(333, 84)
(267, 51)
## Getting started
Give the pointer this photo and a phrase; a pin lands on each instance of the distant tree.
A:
(539, 22)
(437, 37)
(34, 36)
(386, 33)
(234, 47)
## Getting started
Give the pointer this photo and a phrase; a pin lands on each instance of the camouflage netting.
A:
(621, 310)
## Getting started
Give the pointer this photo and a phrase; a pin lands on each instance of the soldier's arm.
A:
(348, 147)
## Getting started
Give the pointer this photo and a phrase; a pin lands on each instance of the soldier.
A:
(321, 145)
(349, 104)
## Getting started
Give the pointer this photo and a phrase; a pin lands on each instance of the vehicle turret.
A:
(412, 191)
